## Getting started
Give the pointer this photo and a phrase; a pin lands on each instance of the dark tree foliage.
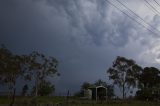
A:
(45, 88)
(149, 78)
(110, 91)
(86, 85)
(11, 68)
(100, 83)
(26, 67)
(149, 84)
(124, 73)
(41, 67)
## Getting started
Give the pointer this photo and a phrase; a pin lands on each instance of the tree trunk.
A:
(13, 97)
(13, 94)
(123, 90)
(36, 87)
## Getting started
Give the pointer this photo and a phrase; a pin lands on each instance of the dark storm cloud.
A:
(91, 21)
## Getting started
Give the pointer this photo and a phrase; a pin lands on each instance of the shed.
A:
(96, 93)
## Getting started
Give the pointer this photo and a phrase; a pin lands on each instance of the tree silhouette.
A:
(149, 83)
(86, 85)
(27, 67)
(41, 67)
(100, 82)
(45, 88)
(124, 73)
(11, 68)
(149, 78)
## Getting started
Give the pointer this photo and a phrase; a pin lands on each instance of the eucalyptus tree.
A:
(42, 67)
(14, 67)
(11, 68)
(149, 84)
(149, 78)
(124, 73)
(100, 82)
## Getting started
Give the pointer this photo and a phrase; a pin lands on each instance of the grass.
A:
(23, 101)
(4, 100)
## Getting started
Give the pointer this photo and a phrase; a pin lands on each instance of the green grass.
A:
(4, 100)
(73, 102)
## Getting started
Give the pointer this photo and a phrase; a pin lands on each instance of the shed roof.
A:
(101, 86)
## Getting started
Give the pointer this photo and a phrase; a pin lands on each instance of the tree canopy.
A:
(35, 66)
(124, 73)
(149, 84)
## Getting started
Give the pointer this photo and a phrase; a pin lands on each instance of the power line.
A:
(131, 17)
(156, 2)
(138, 16)
(152, 7)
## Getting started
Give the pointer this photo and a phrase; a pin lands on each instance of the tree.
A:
(149, 82)
(14, 67)
(42, 67)
(100, 82)
(86, 85)
(45, 88)
(149, 78)
(110, 91)
(124, 73)
(11, 68)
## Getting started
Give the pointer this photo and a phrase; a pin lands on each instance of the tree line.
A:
(34, 67)
(127, 75)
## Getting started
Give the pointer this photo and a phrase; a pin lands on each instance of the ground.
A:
(72, 101)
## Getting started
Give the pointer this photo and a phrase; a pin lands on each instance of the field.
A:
(63, 101)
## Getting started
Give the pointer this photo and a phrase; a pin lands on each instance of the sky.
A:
(85, 36)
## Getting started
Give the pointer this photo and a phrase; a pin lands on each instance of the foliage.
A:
(45, 88)
(26, 67)
(100, 83)
(41, 67)
(11, 68)
(149, 84)
(149, 78)
(110, 91)
(86, 85)
(124, 73)
(144, 94)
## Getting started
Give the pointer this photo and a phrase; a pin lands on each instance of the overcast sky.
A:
(84, 35)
